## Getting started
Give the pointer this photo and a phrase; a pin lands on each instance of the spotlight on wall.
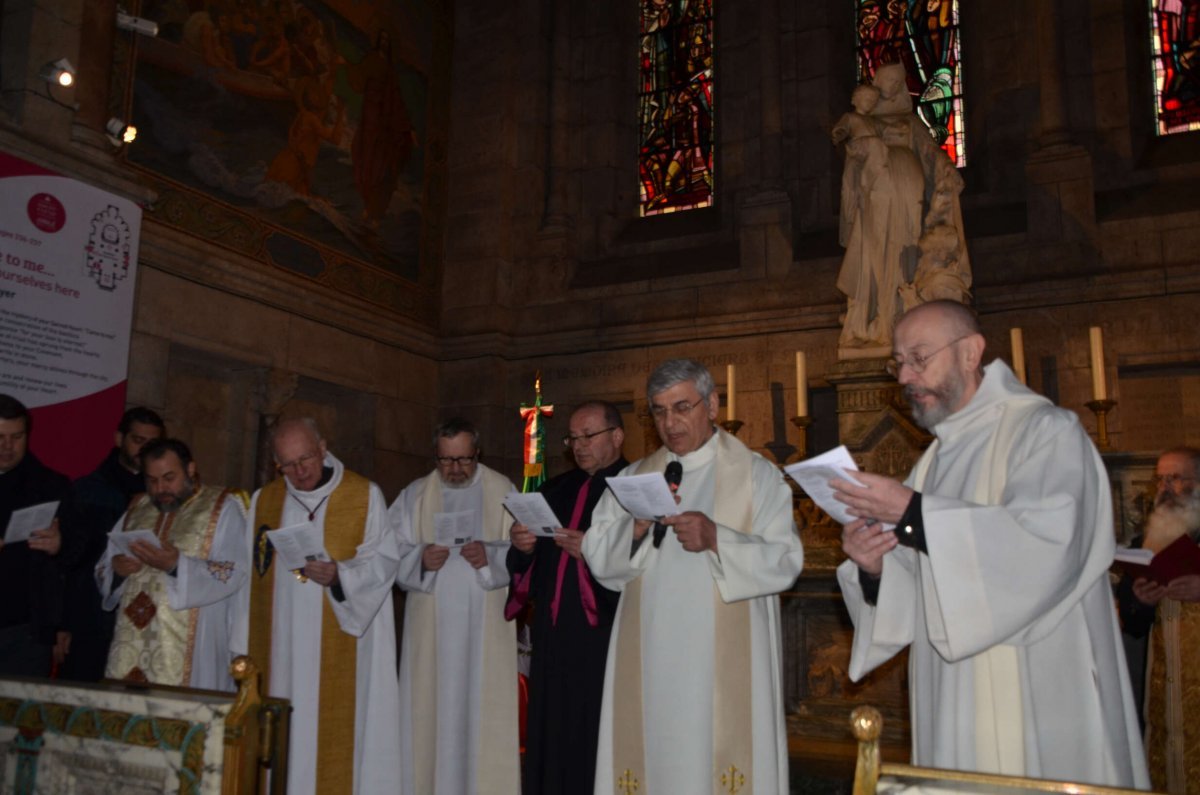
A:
(120, 133)
(60, 72)
(140, 25)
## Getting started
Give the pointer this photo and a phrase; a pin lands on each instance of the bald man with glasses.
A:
(990, 563)
(572, 613)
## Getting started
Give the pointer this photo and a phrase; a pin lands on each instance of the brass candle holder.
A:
(802, 424)
(732, 426)
(1101, 408)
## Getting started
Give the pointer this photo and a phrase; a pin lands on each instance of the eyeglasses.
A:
(462, 460)
(585, 438)
(681, 408)
(292, 466)
(1171, 480)
(917, 362)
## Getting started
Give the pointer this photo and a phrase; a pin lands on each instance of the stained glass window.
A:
(675, 105)
(1175, 43)
(922, 35)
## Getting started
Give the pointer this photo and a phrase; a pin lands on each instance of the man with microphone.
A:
(692, 699)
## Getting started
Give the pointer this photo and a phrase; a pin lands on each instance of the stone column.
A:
(1061, 185)
(556, 220)
(94, 73)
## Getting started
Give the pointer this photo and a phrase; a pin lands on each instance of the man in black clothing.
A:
(95, 504)
(572, 613)
(31, 579)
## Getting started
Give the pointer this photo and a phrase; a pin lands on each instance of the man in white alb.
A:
(458, 661)
(329, 650)
(996, 575)
(692, 694)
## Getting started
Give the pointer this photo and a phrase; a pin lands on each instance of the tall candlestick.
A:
(730, 399)
(1099, 388)
(1018, 354)
(801, 385)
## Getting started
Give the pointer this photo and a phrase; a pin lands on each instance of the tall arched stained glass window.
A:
(675, 105)
(922, 35)
(1175, 44)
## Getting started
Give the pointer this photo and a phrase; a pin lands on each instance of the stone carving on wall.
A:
(901, 223)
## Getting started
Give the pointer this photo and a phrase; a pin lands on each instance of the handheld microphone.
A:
(674, 474)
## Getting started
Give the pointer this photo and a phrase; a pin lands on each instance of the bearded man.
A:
(1170, 615)
(175, 596)
(996, 573)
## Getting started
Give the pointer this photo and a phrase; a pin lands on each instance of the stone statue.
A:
(901, 223)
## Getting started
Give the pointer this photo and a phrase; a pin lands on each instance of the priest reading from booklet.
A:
(175, 595)
(996, 575)
(330, 650)
(458, 663)
(572, 613)
(692, 699)
(1170, 614)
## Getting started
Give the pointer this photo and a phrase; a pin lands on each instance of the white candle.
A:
(1018, 354)
(1099, 389)
(730, 399)
(801, 385)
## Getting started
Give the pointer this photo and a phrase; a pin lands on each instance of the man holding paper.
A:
(174, 586)
(458, 659)
(573, 613)
(996, 574)
(31, 579)
(692, 695)
(323, 633)
(1170, 614)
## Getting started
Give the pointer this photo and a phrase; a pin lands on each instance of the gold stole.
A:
(344, 527)
(732, 741)
(498, 757)
(152, 642)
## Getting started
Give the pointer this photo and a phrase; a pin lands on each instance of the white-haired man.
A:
(331, 651)
(692, 699)
(1170, 615)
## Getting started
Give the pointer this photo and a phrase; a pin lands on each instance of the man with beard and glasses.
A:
(995, 574)
(1170, 615)
(173, 595)
(458, 658)
(97, 501)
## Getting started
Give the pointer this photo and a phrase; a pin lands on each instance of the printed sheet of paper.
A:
(23, 522)
(123, 539)
(645, 496)
(814, 474)
(298, 544)
(533, 511)
(453, 529)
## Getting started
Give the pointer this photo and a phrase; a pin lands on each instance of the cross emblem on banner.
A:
(627, 784)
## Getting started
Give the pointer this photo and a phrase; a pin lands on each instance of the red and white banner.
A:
(68, 262)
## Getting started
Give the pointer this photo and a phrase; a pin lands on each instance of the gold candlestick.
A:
(1101, 408)
(732, 426)
(802, 424)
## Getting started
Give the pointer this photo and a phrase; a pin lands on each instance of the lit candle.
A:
(1018, 354)
(801, 385)
(730, 400)
(1099, 390)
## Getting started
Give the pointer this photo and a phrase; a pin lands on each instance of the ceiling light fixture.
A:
(120, 133)
(60, 72)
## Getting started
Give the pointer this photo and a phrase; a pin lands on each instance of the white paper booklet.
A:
(298, 544)
(533, 511)
(24, 521)
(814, 474)
(645, 496)
(122, 539)
(453, 529)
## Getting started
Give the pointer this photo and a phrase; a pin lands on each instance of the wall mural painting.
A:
(310, 135)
